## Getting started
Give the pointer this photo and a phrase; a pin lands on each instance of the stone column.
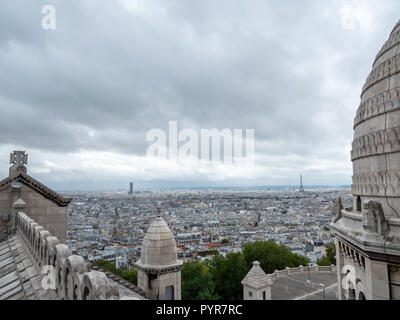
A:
(339, 267)
(18, 206)
(379, 281)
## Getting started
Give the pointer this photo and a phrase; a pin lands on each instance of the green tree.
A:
(227, 273)
(197, 282)
(272, 256)
(109, 266)
(221, 277)
(129, 275)
(330, 257)
(208, 253)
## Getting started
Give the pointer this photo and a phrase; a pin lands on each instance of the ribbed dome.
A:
(376, 145)
(159, 246)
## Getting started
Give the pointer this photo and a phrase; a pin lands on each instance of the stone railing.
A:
(72, 277)
(288, 271)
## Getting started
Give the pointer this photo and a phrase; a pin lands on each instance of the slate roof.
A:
(19, 279)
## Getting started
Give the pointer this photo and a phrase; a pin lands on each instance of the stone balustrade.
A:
(73, 278)
(315, 268)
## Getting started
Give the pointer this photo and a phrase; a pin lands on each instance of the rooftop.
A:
(19, 279)
(296, 287)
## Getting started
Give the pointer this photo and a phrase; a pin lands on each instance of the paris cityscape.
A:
(111, 226)
(221, 153)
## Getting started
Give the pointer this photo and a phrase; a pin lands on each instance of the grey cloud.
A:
(118, 73)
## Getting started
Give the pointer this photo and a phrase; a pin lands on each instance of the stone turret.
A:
(159, 270)
(257, 285)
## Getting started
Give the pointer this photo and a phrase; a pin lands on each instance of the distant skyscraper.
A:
(301, 184)
(131, 188)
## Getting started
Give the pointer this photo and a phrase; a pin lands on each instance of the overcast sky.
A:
(81, 98)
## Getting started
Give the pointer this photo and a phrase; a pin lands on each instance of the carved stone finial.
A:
(336, 210)
(159, 209)
(18, 161)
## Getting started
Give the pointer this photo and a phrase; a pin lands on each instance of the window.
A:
(66, 282)
(169, 293)
(394, 272)
(85, 294)
(352, 294)
(250, 294)
(359, 208)
(75, 293)
(264, 295)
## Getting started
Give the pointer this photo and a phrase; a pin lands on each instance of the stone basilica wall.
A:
(44, 211)
(157, 291)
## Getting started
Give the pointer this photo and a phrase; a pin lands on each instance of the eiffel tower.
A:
(301, 184)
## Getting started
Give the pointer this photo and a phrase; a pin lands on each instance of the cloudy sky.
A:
(81, 98)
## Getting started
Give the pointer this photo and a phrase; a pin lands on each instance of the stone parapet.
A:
(73, 278)
(314, 268)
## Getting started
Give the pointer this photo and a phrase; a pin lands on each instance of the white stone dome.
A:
(376, 144)
(159, 246)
